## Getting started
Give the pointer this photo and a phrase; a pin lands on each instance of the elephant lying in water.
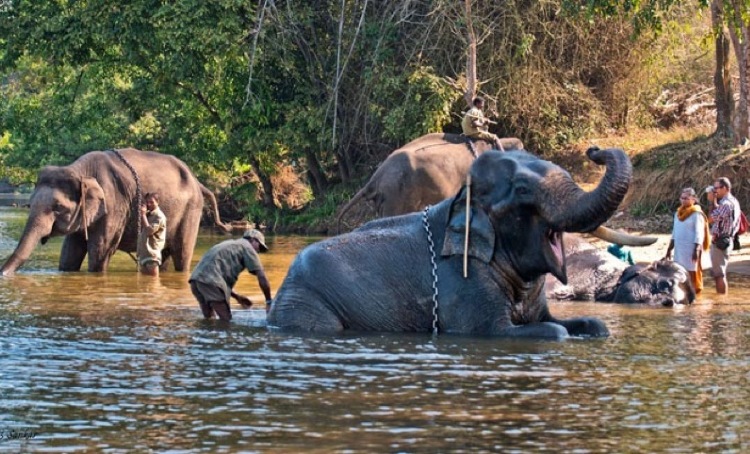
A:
(594, 274)
(92, 203)
(380, 277)
(422, 172)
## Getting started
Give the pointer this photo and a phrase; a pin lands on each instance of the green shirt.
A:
(222, 264)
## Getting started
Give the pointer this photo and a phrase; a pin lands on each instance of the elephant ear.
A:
(481, 232)
(92, 200)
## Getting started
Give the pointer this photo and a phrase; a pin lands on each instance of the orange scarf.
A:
(682, 214)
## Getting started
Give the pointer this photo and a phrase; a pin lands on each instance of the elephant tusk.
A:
(625, 239)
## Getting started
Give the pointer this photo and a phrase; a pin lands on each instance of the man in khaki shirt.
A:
(213, 278)
(475, 125)
(152, 236)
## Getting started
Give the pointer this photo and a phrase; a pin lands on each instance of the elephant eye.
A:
(522, 190)
(663, 285)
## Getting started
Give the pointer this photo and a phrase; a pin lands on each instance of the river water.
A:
(120, 362)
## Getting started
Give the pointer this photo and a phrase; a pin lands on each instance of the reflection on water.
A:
(122, 362)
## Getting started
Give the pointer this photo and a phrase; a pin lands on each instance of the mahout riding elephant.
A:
(92, 202)
(422, 172)
(380, 277)
(597, 275)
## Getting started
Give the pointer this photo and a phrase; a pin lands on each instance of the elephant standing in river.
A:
(597, 275)
(405, 273)
(92, 202)
(422, 172)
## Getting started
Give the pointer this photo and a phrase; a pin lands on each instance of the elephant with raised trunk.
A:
(597, 275)
(405, 273)
(422, 172)
(92, 202)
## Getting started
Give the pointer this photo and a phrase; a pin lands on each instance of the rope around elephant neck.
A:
(138, 195)
(426, 223)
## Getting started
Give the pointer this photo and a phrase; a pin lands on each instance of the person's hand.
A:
(143, 209)
(244, 301)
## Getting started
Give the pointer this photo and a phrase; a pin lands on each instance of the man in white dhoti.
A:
(690, 237)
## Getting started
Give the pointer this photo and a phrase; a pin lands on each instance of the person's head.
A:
(151, 200)
(478, 102)
(722, 187)
(687, 197)
(256, 239)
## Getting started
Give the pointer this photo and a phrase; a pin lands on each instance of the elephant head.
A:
(521, 205)
(63, 203)
(663, 282)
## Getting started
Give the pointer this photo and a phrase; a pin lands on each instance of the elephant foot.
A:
(585, 327)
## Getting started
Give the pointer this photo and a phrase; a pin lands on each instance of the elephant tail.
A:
(215, 209)
(366, 193)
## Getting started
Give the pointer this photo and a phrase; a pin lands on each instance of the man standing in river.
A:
(213, 279)
(152, 237)
(724, 217)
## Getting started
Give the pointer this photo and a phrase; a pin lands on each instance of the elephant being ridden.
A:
(422, 172)
(597, 275)
(92, 203)
(380, 278)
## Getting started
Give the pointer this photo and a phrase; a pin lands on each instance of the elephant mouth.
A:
(556, 255)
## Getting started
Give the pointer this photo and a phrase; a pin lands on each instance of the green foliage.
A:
(424, 106)
(213, 85)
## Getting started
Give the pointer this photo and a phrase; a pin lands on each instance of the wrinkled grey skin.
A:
(597, 275)
(422, 172)
(107, 188)
(379, 277)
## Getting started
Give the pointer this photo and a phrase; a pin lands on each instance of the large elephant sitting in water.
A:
(422, 172)
(92, 202)
(597, 275)
(404, 273)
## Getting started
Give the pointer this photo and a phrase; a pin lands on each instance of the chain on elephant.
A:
(138, 194)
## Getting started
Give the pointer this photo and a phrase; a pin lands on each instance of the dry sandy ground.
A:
(739, 263)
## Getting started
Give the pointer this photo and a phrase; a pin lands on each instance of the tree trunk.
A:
(471, 58)
(265, 182)
(741, 46)
(724, 97)
(344, 168)
(315, 173)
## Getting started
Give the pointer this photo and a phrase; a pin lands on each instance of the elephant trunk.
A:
(569, 208)
(34, 231)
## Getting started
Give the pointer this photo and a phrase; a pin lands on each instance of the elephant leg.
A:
(544, 330)
(100, 251)
(584, 326)
(166, 255)
(73, 252)
(289, 315)
(182, 245)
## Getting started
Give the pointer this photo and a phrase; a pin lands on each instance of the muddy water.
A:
(120, 362)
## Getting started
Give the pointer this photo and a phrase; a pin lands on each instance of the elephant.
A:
(92, 202)
(597, 275)
(422, 172)
(406, 273)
